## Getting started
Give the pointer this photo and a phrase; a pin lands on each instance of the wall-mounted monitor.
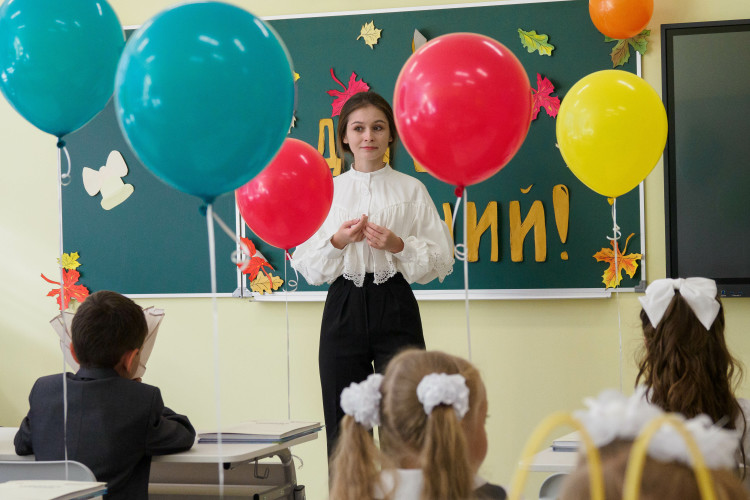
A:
(706, 92)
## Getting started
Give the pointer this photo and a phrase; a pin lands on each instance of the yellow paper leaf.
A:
(69, 260)
(370, 34)
(262, 285)
(296, 76)
(625, 262)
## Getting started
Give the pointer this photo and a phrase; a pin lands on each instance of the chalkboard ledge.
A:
(510, 294)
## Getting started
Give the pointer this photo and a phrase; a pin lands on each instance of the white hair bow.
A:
(440, 388)
(612, 416)
(699, 293)
(362, 401)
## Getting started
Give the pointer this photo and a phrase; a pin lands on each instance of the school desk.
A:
(549, 460)
(250, 470)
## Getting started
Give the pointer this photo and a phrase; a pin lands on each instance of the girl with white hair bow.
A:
(431, 409)
(684, 362)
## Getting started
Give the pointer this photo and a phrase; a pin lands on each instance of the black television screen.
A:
(706, 92)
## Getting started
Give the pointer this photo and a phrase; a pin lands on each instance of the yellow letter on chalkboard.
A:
(333, 160)
(518, 231)
(474, 232)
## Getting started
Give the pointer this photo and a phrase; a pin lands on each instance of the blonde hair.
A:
(661, 480)
(410, 438)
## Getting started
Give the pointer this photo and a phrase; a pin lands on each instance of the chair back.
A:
(552, 486)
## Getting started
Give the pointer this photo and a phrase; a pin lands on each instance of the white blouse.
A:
(406, 484)
(390, 199)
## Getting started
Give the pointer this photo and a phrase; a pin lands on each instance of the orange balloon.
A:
(621, 19)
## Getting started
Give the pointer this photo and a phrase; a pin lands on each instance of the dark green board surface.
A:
(156, 242)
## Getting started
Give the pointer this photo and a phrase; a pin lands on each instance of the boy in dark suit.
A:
(115, 424)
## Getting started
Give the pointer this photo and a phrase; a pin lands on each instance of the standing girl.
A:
(382, 233)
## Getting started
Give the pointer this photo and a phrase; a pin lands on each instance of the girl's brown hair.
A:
(361, 100)
(660, 481)
(689, 369)
(410, 438)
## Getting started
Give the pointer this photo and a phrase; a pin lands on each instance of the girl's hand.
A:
(351, 231)
(383, 238)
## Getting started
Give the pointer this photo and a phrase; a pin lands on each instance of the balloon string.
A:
(217, 383)
(458, 249)
(60, 185)
(615, 228)
(455, 212)
(64, 178)
(241, 255)
(466, 274)
(291, 284)
(616, 234)
(288, 364)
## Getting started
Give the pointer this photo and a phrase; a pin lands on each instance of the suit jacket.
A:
(114, 426)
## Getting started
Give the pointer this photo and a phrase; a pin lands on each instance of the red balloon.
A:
(621, 19)
(462, 106)
(289, 200)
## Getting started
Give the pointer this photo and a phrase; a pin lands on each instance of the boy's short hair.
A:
(106, 326)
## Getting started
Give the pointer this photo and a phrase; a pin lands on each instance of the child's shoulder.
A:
(56, 379)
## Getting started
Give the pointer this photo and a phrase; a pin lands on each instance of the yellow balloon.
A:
(611, 130)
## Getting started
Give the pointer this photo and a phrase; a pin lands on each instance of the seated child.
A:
(615, 421)
(685, 363)
(431, 408)
(114, 424)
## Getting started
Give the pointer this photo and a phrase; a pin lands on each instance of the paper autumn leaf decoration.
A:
(543, 98)
(72, 290)
(69, 260)
(255, 264)
(417, 41)
(341, 97)
(260, 279)
(370, 33)
(262, 284)
(621, 51)
(628, 263)
(533, 41)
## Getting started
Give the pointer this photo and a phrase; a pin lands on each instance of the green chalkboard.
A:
(320, 43)
(155, 242)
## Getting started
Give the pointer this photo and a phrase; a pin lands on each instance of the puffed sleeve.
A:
(428, 246)
(317, 259)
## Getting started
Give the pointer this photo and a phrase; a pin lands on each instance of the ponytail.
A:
(354, 465)
(445, 457)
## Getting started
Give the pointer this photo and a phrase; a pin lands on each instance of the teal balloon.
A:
(204, 94)
(58, 60)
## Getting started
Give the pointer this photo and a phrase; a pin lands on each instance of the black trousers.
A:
(362, 328)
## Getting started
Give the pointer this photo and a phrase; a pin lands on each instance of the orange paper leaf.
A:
(628, 263)
(72, 290)
(255, 264)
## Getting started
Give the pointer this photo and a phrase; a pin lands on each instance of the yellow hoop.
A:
(553, 421)
(637, 459)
